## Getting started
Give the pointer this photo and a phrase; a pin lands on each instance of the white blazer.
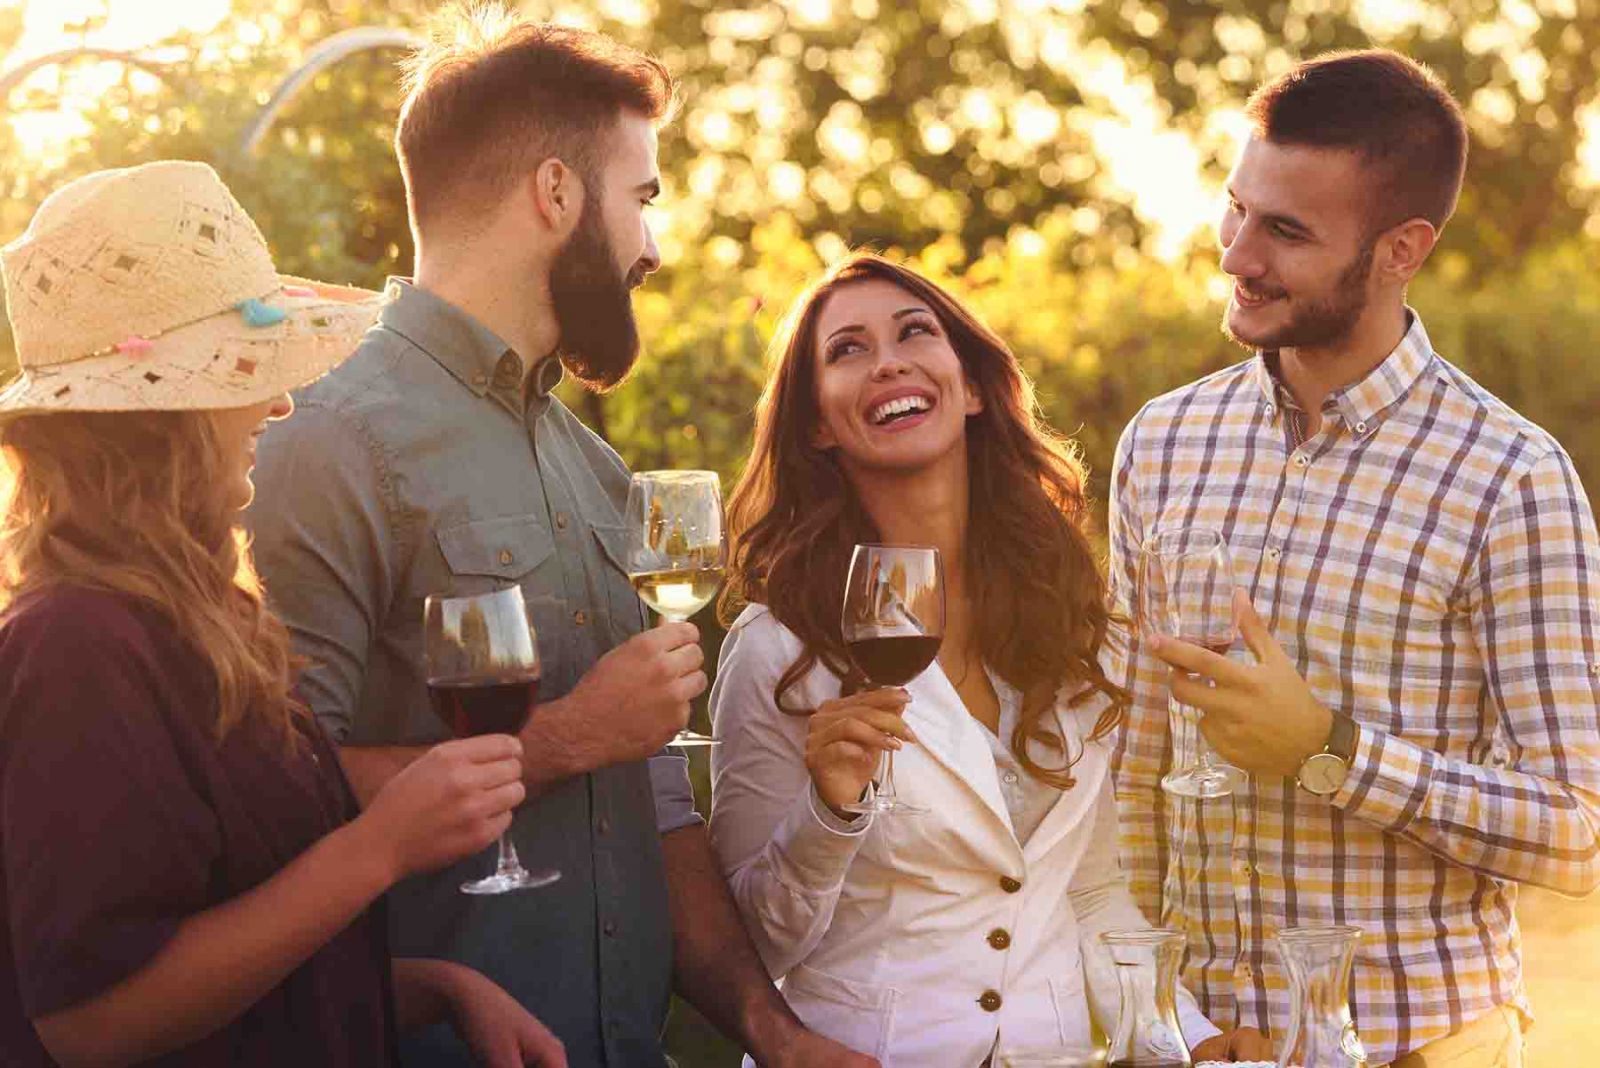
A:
(921, 939)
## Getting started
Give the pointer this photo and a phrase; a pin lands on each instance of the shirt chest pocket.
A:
(490, 554)
(623, 606)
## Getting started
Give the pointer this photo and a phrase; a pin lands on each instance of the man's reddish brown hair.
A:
(491, 96)
(1392, 110)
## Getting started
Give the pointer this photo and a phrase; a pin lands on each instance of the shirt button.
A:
(1274, 552)
(1000, 938)
(561, 521)
(1361, 428)
(1301, 459)
(580, 617)
(1245, 971)
(603, 825)
(480, 379)
(1010, 885)
(506, 556)
(1269, 411)
(989, 1001)
(609, 928)
(1010, 778)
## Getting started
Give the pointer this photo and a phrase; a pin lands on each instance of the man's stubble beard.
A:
(1324, 323)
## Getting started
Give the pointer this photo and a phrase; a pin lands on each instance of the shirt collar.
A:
(470, 351)
(1363, 404)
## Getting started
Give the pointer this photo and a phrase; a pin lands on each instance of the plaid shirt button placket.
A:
(1431, 570)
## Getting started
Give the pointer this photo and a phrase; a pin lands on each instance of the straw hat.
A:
(149, 288)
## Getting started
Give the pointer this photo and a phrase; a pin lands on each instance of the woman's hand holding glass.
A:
(845, 740)
(452, 802)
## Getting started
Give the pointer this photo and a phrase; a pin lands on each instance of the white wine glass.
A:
(1185, 591)
(676, 548)
(892, 622)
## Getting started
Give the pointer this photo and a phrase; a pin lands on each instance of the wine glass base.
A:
(884, 804)
(691, 738)
(507, 882)
(1218, 780)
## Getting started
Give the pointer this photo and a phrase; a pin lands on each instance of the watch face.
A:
(1323, 774)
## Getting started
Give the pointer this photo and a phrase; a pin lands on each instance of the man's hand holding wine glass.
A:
(639, 691)
(846, 738)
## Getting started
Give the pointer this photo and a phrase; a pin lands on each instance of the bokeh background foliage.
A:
(1047, 159)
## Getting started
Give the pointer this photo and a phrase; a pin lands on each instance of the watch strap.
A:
(1342, 738)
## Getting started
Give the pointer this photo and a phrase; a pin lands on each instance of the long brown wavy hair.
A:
(1038, 594)
(137, 503)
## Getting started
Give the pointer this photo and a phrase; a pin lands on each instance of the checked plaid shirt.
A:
(1429, 561)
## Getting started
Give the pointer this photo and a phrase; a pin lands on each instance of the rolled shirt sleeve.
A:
(673, 792)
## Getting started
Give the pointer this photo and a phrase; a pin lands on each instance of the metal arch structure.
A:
(325, 54)
(16, 75)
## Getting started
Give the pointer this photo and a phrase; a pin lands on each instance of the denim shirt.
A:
(425, 464)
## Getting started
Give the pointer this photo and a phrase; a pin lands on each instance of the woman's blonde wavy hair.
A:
(137, 503)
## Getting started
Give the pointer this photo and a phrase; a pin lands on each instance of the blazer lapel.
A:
(1076, 804)
(955, 740)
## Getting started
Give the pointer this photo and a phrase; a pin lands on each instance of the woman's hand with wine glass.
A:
(846, 738)
(452, 802)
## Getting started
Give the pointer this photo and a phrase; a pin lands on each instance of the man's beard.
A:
(1323, 323)
(594, 309)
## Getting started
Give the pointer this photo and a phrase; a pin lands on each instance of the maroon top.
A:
(120, 815)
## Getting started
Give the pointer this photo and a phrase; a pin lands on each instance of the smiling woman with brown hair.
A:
(893, 415)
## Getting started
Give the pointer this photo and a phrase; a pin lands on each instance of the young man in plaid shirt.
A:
(1420, 581)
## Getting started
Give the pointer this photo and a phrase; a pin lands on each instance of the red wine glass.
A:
(483, 678)
(892, 623)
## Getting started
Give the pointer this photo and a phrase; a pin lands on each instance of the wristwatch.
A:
(1323, 773)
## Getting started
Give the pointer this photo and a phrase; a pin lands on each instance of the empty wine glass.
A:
(892, 622)
(483, 678)
(1185, 591)
(676, 547)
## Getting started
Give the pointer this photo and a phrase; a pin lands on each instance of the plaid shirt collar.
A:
(1363, 404)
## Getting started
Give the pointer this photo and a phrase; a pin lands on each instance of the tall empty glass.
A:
(1321, 1033)
(1185, 591)
(1147, 1033)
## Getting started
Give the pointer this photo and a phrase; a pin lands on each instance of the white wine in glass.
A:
(676, 547)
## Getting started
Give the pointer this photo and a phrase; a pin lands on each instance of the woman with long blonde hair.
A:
(185, 877)
(941, 938)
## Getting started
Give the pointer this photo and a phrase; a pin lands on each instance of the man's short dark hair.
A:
(491, 96)
(1392, 110)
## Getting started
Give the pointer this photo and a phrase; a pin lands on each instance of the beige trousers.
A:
(1493, 1040)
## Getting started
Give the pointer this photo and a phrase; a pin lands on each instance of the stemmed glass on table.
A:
(483, 678)
(892, 623)
(1185, 591)
(676, 548)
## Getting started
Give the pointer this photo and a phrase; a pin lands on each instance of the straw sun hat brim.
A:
(218, 362)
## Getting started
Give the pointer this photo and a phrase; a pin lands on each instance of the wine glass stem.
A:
(508, 865)
(888, 775)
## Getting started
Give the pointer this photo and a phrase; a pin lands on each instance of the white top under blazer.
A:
(930, 940)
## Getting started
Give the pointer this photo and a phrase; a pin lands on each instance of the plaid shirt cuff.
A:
(1388, 781)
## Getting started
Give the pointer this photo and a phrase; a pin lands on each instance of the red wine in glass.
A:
(892, 621)
(482, 660)
(493, 704)
(893, 660)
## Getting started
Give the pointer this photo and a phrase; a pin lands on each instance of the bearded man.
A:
(1419, 712)
(437, 461)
